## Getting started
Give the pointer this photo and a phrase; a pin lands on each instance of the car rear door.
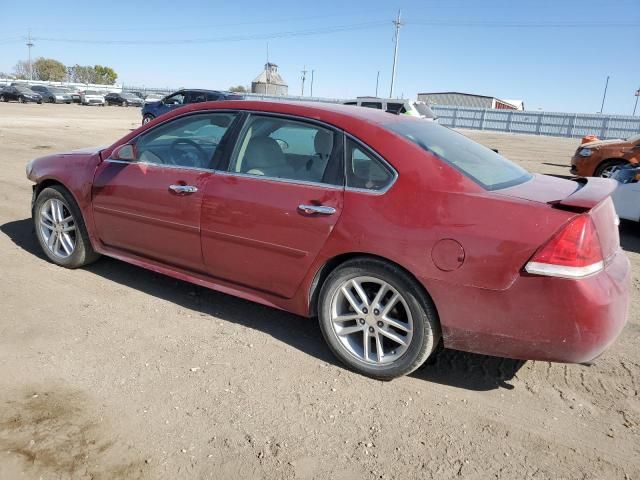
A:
(266, 217)
(151, 206)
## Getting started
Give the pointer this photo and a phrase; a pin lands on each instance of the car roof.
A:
(333, 113)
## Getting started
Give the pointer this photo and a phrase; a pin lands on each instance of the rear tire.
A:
(3, 98)
(605, 169)
(125, 104)
(403, 311)
(56, 214)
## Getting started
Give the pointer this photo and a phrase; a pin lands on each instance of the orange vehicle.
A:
(598, 158)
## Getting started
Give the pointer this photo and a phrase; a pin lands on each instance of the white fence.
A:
(75, 85)
(575, 125)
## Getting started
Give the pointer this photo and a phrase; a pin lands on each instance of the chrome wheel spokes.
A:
(57, 228)
(371, 320)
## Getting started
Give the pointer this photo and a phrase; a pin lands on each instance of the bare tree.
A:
(21, 70)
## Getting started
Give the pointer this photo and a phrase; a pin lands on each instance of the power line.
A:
(232, 38)
(507, 24)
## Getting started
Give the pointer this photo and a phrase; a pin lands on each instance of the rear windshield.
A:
(481, 164)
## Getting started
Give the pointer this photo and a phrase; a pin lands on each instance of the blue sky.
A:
(539, 51)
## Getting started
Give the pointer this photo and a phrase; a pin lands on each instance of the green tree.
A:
(105, 75)
(49, 69)
(238, 89)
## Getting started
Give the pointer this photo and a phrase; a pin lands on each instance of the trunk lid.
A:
(581, 195)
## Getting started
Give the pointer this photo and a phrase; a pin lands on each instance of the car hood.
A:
(603, 143)
(85, 151)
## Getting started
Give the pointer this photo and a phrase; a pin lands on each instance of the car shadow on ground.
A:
(447, 367)
(630, 236)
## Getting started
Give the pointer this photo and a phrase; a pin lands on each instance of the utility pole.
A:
(605, 94)
(312, 72)
(304, 77)
(266, 72)
(397, 23)
(29, 45)
(377, 82)
(636, 105)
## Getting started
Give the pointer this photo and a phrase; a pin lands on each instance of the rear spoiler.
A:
(590, 192)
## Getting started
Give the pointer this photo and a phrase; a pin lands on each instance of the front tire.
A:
(125, 104)
(376, 319)
(60, 229)
(606, 168)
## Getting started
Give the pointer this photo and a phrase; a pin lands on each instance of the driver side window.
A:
(177, 99)
(189, 141)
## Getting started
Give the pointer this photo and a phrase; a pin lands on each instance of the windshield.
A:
(424, 110)
(481, 164)
(57, 90)
(24, 90)
(128, 95)
(92, 92)
(634, 138)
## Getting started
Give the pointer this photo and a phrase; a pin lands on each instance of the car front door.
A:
(151, 206)
(267, 216)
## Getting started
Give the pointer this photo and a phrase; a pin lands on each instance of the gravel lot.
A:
(116, 372)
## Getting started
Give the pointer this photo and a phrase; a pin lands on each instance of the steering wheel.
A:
(186, 159)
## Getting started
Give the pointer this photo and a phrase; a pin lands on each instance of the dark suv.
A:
(152, 110)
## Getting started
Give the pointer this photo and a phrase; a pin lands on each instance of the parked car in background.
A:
(626, 197)
(19, 93)
(152, 110)
(414, 108)
(92, 97)
(74, 93)
(153, 97)
(599, 158)
(52, 94)
(395, 232)
(124, 99)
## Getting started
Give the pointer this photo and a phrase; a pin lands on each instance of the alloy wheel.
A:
(57, 228)
(608, 171)
(372, 320)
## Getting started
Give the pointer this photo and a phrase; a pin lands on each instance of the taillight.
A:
(573, 252)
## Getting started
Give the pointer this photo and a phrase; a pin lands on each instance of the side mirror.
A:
(495, 150)
(125, 153)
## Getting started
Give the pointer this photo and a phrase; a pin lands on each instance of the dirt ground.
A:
(116, 372)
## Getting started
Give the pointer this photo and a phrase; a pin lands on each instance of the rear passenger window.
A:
(365, 171)
(281, 148)
(377, 105)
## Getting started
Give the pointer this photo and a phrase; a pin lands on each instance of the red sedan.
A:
(395, 232)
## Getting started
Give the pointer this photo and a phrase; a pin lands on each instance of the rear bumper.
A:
(540, 318)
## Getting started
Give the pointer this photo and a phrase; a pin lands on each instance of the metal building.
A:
(269, 82)
(458, 99)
